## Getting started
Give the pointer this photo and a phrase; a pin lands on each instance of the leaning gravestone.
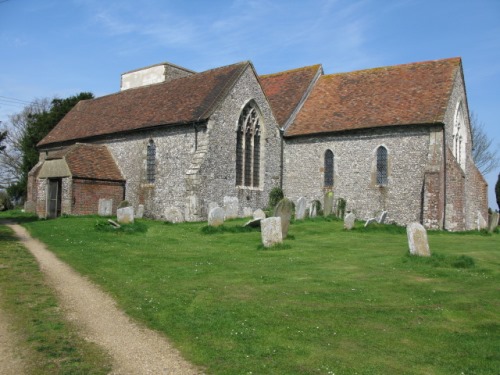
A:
(370, 221)
(174, 215)
(417, 240)
(284, 210)
(105, 207)
(300, 208)
(312, 209)
(271, 232)
(349, 220)
(140, 211)
(125, 215)
(382, 217)
(231, 205)
(493, 222)
(216, 217)
(259, 214)
(328, 203)
(481, 222)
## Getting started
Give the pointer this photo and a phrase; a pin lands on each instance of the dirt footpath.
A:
(133, 348)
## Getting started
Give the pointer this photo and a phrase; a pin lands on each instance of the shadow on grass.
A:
(207, 229)
(440, 260)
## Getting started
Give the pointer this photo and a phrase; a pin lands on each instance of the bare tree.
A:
(11, 155)
(485, 157)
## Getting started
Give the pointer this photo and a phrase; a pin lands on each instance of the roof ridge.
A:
(290, 71)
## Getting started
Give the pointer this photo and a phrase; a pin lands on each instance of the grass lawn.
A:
(327, 302)
(49, 343)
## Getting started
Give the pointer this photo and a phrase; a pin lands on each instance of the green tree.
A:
(497, 191)
(37, 127)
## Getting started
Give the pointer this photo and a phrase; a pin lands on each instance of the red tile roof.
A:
(89, 161)
(396, 95)
(180, 101)
(286, 89)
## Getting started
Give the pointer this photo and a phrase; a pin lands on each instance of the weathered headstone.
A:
(349, 220)
(271, 231)
(247, 211)
(300, 208)
(481, 222)
(231, 206)
(493, 222)
(312, 209)
(125, 215)
(114, 223)
(174, 215)
(284, 210)
(253, 223)
(259, 214)
(328, 203)
(105, 207)
(140, 211)
(417, 240)
(216, 217)
(212, 205)
(382, 217)
(370, 221)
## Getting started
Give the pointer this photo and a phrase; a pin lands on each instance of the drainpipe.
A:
(282, 131)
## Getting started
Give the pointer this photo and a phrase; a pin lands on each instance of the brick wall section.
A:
(86, 195)
(355, 170)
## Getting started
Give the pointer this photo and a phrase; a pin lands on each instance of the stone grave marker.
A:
(349, 220)
(382, 217)
(284, 210)
(417, 240)
(312, 209)
(370, 221)
(259, 214)
(105, 207)
(231, 206)
(253, 223)
(493, 222)
(328, 203)
(125, 215)
(216, 217)
(481, 222)
(271, 231)
(174, 215)
(140, 211)
(212, 205)
(300, 208)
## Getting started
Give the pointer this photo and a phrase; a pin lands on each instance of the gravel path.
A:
(133, 348)
(10, 362)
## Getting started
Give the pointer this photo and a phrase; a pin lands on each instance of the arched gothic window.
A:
(151, 162)
(328, 170)
(459, 136)
(381, 166)
(248, 147)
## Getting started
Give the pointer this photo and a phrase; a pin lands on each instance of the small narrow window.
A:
(328, 169)
(151, 162)
(381, 166)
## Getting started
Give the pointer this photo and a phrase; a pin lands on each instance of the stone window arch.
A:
(382, 166)
(459, 136)
(329, 169)
(248, 147)
(151, 162)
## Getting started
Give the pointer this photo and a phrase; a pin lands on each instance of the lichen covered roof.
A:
(415, 93)
(286, 89)
(184, 100)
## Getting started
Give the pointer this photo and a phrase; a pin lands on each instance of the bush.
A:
(124, 204)
(275, 196)
(5, 202)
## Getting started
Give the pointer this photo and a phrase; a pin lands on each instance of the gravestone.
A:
(105, 207)
(417, 240)
(212, 205)
(174, 215)
(231, 206)
(216, 217)
(328, 203)
(140, 211)
(254, 223)
(247, 211)
(481, 222)
(259, 214)
(349, 220)
(382, 217)
(493, 222)
(370, 221)
(271, 232)
(312, 209)
(300, 208)
(125, 215)
(284, 210)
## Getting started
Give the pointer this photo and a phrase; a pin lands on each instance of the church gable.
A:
(396, 95)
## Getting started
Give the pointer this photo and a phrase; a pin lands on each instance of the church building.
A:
(393, 139)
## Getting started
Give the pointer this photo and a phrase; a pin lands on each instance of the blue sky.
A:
(62, 47)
